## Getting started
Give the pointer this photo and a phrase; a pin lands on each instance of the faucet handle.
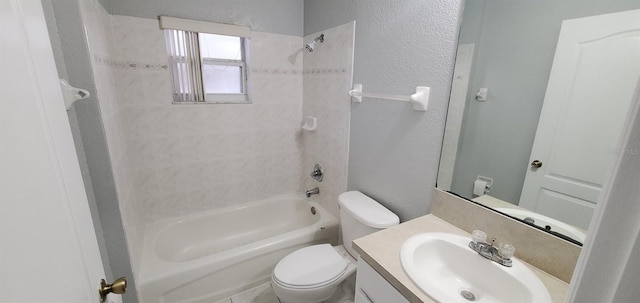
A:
(317, 173)
(506, 250)
(478, 236)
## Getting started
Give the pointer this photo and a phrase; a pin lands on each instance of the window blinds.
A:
(184, 61)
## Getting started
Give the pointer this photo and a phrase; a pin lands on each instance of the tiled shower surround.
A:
(327, 80)
(189, 158)
(173, 160)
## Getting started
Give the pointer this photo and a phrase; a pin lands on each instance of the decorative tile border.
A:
(152, 66)
(129, 65)
(275, 71)
(326, 71)
(147, 66)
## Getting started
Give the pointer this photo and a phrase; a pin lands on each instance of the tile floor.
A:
(264, 294)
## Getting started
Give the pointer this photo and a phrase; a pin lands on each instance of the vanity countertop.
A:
(382, 251)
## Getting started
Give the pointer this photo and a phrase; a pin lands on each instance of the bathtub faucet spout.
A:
(313, 191)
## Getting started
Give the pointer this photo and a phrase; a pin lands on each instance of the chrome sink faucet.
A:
(489, 251)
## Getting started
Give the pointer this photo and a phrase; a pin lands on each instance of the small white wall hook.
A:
(72, 94)
(482, 93)
(310, 123)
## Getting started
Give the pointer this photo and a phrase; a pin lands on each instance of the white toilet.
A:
(312, 274)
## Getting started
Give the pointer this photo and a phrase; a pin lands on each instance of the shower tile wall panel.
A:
(113, 111)
(328, 74)
(190, 158)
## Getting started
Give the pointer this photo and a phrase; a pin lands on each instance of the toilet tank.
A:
(360, 216)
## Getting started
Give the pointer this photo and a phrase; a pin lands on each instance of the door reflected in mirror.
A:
(539, 102)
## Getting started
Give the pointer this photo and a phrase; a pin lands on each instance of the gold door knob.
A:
(118, 286)
(536, 164)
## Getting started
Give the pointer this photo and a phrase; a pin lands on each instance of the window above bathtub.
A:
(208, 61)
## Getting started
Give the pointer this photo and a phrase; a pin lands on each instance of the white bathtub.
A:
(209, 256)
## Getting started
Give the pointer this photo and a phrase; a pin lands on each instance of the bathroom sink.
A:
(447, 270)
(544, 221)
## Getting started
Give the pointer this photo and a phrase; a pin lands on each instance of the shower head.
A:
(312, 46)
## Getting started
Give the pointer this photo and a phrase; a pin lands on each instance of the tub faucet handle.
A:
(317, 174)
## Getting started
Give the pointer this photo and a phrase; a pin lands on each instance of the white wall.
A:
(394, 150)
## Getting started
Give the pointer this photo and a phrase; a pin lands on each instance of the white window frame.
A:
(243, 32)
(230, 98)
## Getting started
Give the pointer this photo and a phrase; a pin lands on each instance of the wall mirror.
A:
(539, 100)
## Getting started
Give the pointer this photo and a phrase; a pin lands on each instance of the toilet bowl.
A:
(312, 274)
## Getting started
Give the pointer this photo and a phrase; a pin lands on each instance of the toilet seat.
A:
(310, 267)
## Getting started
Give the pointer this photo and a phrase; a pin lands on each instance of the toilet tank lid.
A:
(367, 210)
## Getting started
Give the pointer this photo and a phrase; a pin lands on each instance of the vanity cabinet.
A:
(371, 287)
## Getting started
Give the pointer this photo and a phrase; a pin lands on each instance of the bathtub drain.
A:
(467, 295)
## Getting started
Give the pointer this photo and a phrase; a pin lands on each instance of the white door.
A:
(48, 248)
(594, 78)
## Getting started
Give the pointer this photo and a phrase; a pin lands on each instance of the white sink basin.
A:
(446, 269)
(543, 221)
